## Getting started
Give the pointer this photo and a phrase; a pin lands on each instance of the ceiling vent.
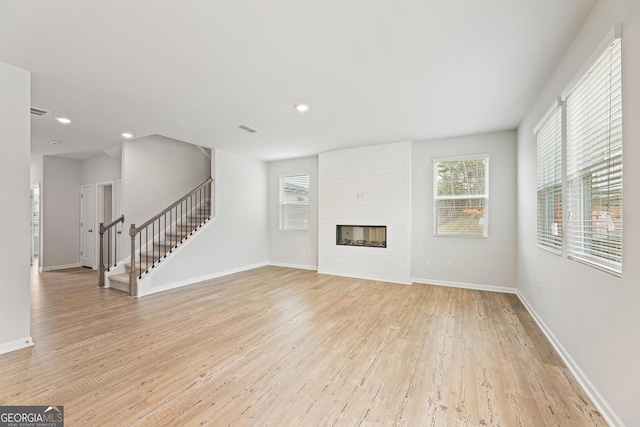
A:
(38, 112)
(248, 128)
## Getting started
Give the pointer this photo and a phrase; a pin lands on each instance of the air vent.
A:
(248, 128)
(38, 112)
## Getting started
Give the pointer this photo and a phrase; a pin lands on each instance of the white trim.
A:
(61, 267)
(598, 400)
(299, 266)
(587, 386)
(16, 345)
(473, 286)
(548, 114)
(613, 34)
(193, 281)
(458, 158)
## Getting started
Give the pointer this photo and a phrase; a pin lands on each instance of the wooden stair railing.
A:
(112, 236)
(154, 240)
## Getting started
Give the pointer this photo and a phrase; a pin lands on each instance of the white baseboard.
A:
(60, 267)
(194, 280)
(16, 345)
(473, 286)
(299, 266)
(600, 403)
(603, 406)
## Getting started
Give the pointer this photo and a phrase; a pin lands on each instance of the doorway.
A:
(106, 214)
(87, 226)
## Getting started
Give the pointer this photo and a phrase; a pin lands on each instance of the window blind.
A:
(461, 195)
(549, 181)
(294, 203)
(594, 164)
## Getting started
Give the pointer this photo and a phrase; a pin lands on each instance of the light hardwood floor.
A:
(285, 347)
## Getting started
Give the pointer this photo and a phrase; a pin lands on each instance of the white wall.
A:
(15, 213)
(594, 316)
(101, 169)
(157, 171)
(237, 237)
(293, 248)
(36, 170)
(60, 213)
(366, 186)
(476, 262)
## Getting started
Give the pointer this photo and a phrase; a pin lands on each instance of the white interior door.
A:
(87, 225)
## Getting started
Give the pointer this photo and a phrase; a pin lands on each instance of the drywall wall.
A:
(594, 316)
(293, 248)
(15, 213)
(366, 186)
(36, 170)
(60, 213)
(477, 262)
(157, 171)
(101, 169)
(235, 239)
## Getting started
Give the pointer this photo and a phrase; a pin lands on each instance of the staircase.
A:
(156, 239)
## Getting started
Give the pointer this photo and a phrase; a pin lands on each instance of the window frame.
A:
(550, 172)
(593, 239)
(485, 196)
(282, 216)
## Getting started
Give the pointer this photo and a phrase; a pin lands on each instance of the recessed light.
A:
(127, 135)
(54, 142)
(63, 120)
(302, 108)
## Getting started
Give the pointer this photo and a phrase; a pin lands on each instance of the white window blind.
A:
(461, 196)
(549, 181)
(294, 203)
(594, 164)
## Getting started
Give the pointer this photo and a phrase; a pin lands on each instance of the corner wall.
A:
(15, 213)
(236, 239)
(593, 316)
(481, 263)
(156, 172)
(297, 249)
(60, 213)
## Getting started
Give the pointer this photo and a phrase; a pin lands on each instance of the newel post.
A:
(102, 229)
(133, 280)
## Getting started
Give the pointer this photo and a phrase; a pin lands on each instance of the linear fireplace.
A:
(374, 236)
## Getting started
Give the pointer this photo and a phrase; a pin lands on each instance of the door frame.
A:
(91, 224)
(100, 211)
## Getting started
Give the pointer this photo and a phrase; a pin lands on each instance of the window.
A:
(294, 203)
(594, 164)
(461, 196)
(549, 181)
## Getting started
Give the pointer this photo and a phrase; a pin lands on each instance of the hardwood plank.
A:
(278, 346)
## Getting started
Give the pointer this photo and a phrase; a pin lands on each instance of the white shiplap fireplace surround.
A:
(366, 186)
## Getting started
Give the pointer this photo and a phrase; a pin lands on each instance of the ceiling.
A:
(373, 71)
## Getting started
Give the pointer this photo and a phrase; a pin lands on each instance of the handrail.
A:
(158, 236)
(114, 222)
(173, 205)
(103, 229)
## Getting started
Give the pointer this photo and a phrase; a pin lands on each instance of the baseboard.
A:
(16, 345)
(194, 280)
(603, 406)
(473, 286)
(299, 266)
(60, 267)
